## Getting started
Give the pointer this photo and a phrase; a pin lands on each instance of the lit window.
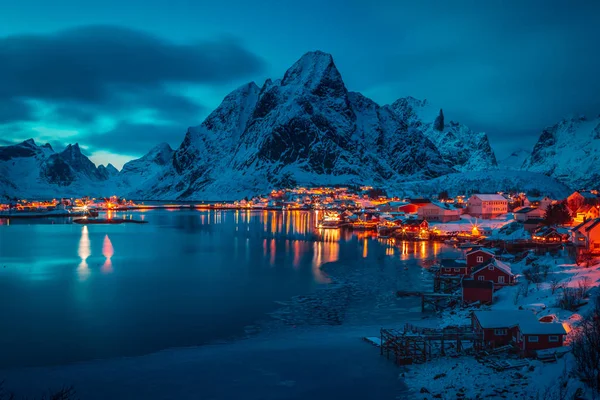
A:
(533, 339)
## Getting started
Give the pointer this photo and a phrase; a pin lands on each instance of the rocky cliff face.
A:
(305, 129)
(27, 169)
(460, 147)
(570, 152)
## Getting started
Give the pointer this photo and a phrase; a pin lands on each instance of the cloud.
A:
(12, 110)
(88, 63)
(134, 139)
(78, 76)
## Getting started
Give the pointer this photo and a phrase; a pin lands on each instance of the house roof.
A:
(473, 284)
(411, 222)
(541, 328)
(503, 318)
(593, 225)
(484, 249)
(525, 210)
(397, 203)
(453, 263)
(490, 197)
(496, 263)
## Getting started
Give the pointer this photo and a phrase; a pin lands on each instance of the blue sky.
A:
(121, 76)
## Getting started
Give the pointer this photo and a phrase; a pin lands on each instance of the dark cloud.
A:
(12, 110)
(134, 139)
(86, 64)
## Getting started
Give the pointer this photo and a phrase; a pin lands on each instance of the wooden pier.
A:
(415, 345)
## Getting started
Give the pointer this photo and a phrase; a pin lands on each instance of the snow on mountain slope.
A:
(140, 175)
(305, 129)
(515, 160)
(570, 152)
(487, 182)
(460, 147)
(32, 171)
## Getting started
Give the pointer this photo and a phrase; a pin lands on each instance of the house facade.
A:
(521, 328)
(550, 234)
(478, 256)
(525, 213)
(540, 336)
(585, 212)
(587, 235)
(439, 212)
(577, 199)
(495, 271)
(487, 205)
(474, 291)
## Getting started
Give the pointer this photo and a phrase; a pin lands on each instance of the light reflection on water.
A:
(185, 278)
(84, 251)
(107, 251)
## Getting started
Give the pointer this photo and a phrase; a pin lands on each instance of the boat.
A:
(116, 221)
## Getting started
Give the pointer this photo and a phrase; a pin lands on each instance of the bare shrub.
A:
(554, 284)
(585, 346)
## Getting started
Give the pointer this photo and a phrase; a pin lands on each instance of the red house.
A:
(477, 291)
(478, 256)
(453, 267)
(499, 327)
(495, 271)
(540, 336)
(521, 328)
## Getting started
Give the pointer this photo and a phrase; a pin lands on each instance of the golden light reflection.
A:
(324, 252)
(107, 251)
(365, 248)
(273, 252)
(297, 253)
(84, 251)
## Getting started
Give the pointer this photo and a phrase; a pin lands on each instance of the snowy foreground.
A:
(465, 377)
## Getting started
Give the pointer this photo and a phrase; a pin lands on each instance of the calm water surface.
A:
(71, 293)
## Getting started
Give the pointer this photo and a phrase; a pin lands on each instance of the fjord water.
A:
(72, 292)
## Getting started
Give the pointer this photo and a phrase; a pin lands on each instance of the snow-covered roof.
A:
(496, 263)
(503, 318)
(525, 210)
(490, 197)
(541, 328)
(484, 249)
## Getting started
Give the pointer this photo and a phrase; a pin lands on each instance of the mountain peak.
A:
(315, 70)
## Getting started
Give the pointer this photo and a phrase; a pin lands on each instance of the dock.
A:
(415, 345)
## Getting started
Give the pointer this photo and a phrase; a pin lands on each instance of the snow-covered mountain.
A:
(139, 176)
(304, 129)
(460, 147)
(515, 160)
(27, 169)
(570, 152)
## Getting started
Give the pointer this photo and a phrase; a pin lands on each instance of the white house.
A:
(441, 212)
(487, 205)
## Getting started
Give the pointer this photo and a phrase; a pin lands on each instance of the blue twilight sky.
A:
(121, 76)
